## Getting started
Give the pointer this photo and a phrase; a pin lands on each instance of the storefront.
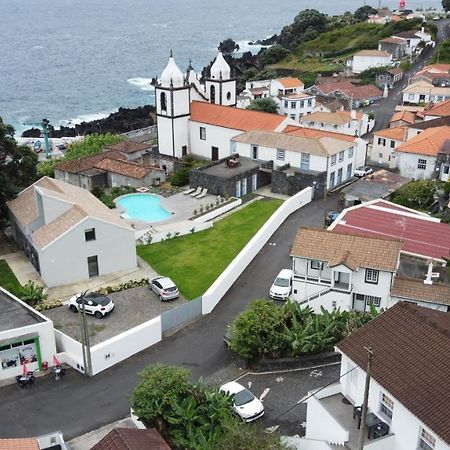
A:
(21, 350)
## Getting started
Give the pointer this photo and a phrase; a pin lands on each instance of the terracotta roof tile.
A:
(428, 143)
(311, 132)
(132, 439)
(126, 168)
(411, 347)
(290, 82)
(397, 133)
(235, 118)
(358, 251)
(405, 116)
(358, 92)
(19, 444)
(439, 109)
(413, 289)
(128, 147)
(82, 164)
(436, 68)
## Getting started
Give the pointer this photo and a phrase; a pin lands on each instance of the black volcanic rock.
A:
(228, 46)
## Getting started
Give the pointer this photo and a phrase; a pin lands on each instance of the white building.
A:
(422, 92)
(353, 123)
(368, 59)
(413, 38)
(345, 271)
(68, 234)
(404, 340)
(382, 151)
(295, 106)
(26, 337)
(337, 156)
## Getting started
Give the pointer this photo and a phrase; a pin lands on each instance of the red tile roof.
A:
(19, 444)
(417, 290)
(312, 133)
(290, 82)
(128, 147)
(405, 116)
(396, 133)
(419, 234)
(234, 118)
(132, 439)
(350, 90)
(427, 143)
(441, 109)
(125, 168)
(411, 347)
(80, 165)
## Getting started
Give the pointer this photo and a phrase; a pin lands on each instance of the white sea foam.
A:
(244, 46)
(37, 47)
(84, 118)
(141, 83)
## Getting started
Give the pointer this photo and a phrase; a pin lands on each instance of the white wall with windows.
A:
(341, 167)
(295, 108)
(382, 151)
(418, 167)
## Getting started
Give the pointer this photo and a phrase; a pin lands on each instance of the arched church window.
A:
(212, 94)
(228, 95)
(163, 101)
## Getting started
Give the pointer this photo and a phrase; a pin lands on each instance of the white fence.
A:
(218, 289)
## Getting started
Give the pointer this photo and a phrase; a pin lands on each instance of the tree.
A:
(263, 104)
(17, 168)
(272, 55)
(446, 5)
(416, 194)
(364, 12)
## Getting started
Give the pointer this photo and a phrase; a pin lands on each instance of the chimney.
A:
(428, 279)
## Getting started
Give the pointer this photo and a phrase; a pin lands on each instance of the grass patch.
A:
(8, 280)
(195, 261)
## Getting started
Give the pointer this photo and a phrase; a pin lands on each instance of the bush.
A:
(32, 294)
(180, 177)
(416, 194)
(48, 304)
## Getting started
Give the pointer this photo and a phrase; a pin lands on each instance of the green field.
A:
(195, 261)
(8, 280)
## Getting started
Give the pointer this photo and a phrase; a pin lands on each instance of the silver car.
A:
(164, 288)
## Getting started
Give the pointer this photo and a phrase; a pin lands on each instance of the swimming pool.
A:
(145, 207)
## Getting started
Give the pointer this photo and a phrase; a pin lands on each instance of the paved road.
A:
(384, 108)
(77, 405)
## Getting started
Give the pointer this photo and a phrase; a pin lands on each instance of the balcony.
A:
(331, 418)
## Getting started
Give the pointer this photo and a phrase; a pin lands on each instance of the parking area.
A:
(281, 392)
(132, 307)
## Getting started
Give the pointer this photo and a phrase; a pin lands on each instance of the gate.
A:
(181, 314)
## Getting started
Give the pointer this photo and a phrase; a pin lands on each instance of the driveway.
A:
(132, 307)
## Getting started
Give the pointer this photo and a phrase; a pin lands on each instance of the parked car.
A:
(331, 217)
(363, 171)
(164, 288)
(245, 404)
(96, 304)
(282, 286)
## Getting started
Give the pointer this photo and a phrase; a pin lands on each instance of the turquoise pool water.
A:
(145, 207)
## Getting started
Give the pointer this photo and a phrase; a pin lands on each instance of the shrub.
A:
(416, 194)
(32, 294)
(97, 191)
(48, 304)
(180, 177)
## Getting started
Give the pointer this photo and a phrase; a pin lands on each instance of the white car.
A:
(245, 404)
(282, 286)
(363, 171)
(96, 304)
(164, 288)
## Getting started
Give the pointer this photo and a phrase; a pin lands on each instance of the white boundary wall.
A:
(218, 212)
(218, 289)
(70, 350)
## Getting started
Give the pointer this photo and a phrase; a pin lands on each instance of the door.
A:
(254, 182)
(92, 262)
(339, 176)
(238, 189)
(184, 150)
(359, 302)
(244, 186)
(214, 153)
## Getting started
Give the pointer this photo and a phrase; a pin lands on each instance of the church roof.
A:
(172, 75)
(220, 68)
(235, 118)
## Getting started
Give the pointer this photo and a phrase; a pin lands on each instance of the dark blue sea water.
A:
(72, 60)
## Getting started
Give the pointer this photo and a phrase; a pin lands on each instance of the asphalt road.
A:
(77, 405)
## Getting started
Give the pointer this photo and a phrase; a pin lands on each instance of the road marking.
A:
(271, 429)
(265, 392)
(279, 379)
(249, 384)
(315, 373)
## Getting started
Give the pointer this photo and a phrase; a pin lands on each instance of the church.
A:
(202, 119)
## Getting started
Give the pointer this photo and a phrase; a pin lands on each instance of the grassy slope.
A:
(7, 278)
(195, 261)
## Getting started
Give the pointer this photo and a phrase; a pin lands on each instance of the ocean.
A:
(75, 60)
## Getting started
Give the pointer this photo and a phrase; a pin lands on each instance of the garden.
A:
(266, 330)
(195, 261)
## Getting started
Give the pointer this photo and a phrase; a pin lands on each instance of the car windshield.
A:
(243, 397)
(282, 282)
(99, 300)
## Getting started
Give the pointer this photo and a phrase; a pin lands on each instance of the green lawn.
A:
(195, 261)
(8, 280)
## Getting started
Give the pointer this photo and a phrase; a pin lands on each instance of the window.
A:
(203, 133)
(349, 170)
(212, 94)
(411, 97)
(392, 144)
(371, 300)
(310, 102)
(293, 116)
(281, 154)
(333, 160)
(228, 95)
(317, 265)
(232, 147)
(372, 276)
(386, 406)
(350, 152)
(293, 105)
(254, 152)
(163, 101)
(341, 156)
(422, 164)
(92, 262)
(304, 161)
(286, 104)
(332, 179)
(381, 141)
(302, 104)
(426, 440)
(89, 234)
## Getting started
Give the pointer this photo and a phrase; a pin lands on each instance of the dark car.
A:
(331, 217)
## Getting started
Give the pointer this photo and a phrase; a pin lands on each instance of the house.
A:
(402, 118)
(340, 270)
(68, 234)
(132, 439)
(307, 155)
(382, 151)
(383, 16)
(369, 59)
(436, 74)
(389, 77)
(355, 95)
(49, 441)
(395, 46)
(436, 110)
(403, 340)
(418, 157)
(418, 127)
(413, 38)
(295, 106)
(352, 122)
(380, 184)
(422, 92)
(286, 86)
(26, 337)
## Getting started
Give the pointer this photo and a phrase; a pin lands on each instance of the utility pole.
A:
(85, 338)
(362, 429)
